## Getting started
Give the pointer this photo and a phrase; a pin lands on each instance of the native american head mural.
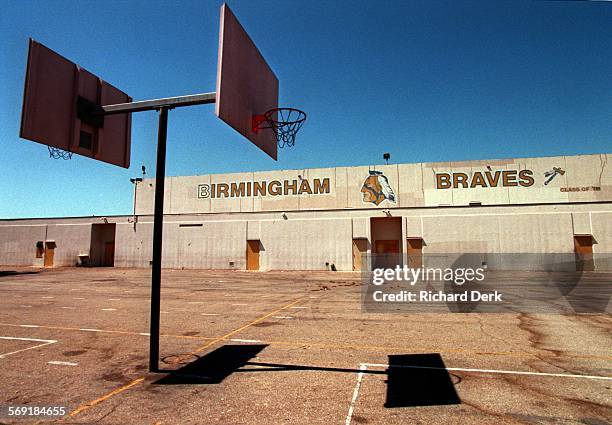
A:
(376, 188)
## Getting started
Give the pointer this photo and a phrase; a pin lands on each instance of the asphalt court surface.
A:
(286, 347)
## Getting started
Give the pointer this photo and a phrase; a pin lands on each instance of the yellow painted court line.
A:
(137, 381)
(105, 397)
(333, 346)
(248, 325)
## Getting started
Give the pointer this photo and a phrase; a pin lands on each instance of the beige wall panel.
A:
(279, 202)
(342, 188)
(171, 249)
(461, 234)
(581, 223)
(410, 185)
(602, 232)
(414, 227)
(253, 230)
(184, 195)
(435, 197)
(71, 240)
(334, 199)
(223, 204)
(145, 200)
(606, 178)
(18, 244)
(306, 244)
(540, 193)
(134, 248)
(361, 227)
(355, 176)
(247, 203)
(588, 171)
(536, 233)
(485, 195)
(479, 163)
(602, 246)
(214, 245)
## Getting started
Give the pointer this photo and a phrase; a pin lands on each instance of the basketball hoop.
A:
(285, 122)
(57, 153)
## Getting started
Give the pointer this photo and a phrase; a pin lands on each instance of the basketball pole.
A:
(162, 106)
(158, 229)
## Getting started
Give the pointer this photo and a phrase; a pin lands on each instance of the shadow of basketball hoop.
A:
(212, 368)
(419, 380)
(412, 379)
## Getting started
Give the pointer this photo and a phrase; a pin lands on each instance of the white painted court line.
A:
(299, 307)
(245, 340)
(114, 299)
(209, 314)
(195, 302)
(164, 312)
(71, 308)
(78, 298)
(109, 309)
(44, 341)
(282, 317)
(364, 366)
(90, 330)
(349, 416)
(145, 334)
(500, 371)
(239, 304)
(57, 362)
(29, 326)
(26, 306)
(47, 297)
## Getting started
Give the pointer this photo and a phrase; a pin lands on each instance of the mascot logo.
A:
(376, 188)
(550, 175)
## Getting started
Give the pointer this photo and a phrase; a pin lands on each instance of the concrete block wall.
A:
(18, 244)
(296, 244)
(71, 240)
(133, 248)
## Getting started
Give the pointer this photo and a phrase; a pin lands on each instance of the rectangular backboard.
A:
(53, 88)
(246, 86)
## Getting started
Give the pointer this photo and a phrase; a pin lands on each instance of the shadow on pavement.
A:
(214, 367)
(419, 380)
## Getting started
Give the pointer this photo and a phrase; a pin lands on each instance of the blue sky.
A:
(423, 80)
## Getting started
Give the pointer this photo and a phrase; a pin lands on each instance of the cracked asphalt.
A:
(286, 347)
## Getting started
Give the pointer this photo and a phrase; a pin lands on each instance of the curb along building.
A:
(312, 219)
